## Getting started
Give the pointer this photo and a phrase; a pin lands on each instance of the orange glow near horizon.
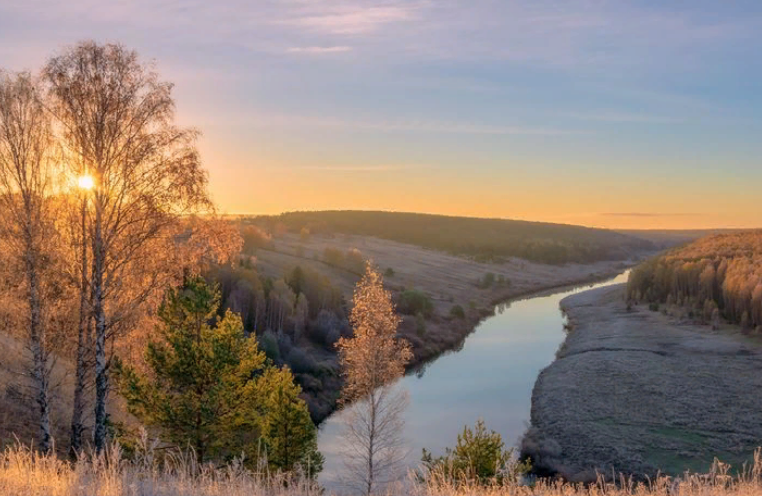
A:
(592, 201)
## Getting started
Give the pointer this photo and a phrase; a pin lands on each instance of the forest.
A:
(482, 239)
(717, 277)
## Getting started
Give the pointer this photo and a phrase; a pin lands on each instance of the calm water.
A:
(491, 378)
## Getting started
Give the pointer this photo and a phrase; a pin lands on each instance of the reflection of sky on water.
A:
(490, 378)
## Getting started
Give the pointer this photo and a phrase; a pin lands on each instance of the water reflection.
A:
(491, 377)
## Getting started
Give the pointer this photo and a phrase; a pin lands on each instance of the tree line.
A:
(717, 276)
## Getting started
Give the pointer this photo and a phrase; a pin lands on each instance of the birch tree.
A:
(26, 229)
(116, 119)
(372, 360)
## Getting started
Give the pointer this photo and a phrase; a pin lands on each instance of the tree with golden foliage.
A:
(372, 360)
(26, 225)
(720, 274)
(116, 123)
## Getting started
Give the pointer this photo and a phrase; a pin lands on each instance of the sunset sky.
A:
(603, 113)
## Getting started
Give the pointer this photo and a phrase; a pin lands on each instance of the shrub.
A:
(412, 302)
(326, 329)
(457, 312)
(389, 272)
(301, 362)
(420, 324)
(304, 234)
(653, 306)
(479, 457)
(354, 261)
(333, 256)
(268, 342)
(487, 281)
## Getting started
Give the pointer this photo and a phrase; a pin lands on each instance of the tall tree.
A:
(287, 429)
(117, 121)
(202, 386)
(26, 228)
(371, 361)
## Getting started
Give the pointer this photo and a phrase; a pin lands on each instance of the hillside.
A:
(482, 239)
(456, 293)
(715, 277)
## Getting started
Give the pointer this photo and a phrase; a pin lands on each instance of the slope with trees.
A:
(717, 276)
(481, 239)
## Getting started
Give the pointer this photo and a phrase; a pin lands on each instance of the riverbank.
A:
(448, 280)
(640, 392)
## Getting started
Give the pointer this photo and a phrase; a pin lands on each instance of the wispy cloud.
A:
(319, 50)
(365, 168)
(409, 125)
(649, 214)
(623, 117)
(351, 19)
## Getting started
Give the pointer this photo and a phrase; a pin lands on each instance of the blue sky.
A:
(610, 113)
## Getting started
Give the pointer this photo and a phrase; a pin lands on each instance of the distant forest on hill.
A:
(715, 276)
(489, 240)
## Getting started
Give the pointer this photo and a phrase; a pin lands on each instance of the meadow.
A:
(24, 472)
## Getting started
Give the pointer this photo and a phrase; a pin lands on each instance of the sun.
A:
(85, 182)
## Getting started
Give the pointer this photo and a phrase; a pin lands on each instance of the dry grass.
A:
(26, 473)
(639, 391)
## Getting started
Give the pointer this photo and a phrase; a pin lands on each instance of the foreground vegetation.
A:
(717, 276)
(25, 472)
(482, 239)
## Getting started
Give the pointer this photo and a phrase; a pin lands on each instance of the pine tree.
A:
(202, 388)
(287, 429)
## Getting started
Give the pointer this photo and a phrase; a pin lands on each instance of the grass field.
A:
(480, 239)
(23, 473)
(644, 391)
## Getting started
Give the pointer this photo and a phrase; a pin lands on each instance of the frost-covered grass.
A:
(26, 473)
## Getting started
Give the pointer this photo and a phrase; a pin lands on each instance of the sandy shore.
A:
(638, 392)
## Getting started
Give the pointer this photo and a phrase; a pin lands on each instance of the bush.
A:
(301, 362)
(457, 312)
(389, 272)
(412, 302)
(479, 457)
(420, 325)
(326, 329)
(487, 281)
(284, 343)
(653, 306)
(268, 342)
(354, 261)
(333, 256)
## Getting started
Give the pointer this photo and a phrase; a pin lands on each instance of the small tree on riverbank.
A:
(371, 361)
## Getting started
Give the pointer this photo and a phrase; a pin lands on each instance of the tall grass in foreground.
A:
(24, 472)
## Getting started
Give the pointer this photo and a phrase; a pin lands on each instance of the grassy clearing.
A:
(26, 473)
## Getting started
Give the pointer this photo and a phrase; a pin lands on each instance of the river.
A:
(491, 377)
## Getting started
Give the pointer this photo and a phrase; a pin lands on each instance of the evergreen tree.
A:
(479, 456)
(202, 387)
(287, 429)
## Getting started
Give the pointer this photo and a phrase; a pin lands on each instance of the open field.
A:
(479, 238)
(639, 391)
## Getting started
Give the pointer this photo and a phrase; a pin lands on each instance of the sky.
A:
(619, 114)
